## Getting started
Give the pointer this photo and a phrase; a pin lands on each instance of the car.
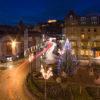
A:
(3, 60)
(9, 58)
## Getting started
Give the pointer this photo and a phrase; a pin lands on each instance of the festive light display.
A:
(46, 73)
(66, 60)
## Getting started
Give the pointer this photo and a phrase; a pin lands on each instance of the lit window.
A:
(82, 36)
(94, 44)
(90, 53)
(87, 52)
(73, 43)
(89, 44)
(73, 52)
(82, 52)
(82, 44)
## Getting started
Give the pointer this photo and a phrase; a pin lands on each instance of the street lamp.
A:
(13, 45)
(46, 75)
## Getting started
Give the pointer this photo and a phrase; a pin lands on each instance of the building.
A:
(52, 28)
(83, 33)
(13, 39)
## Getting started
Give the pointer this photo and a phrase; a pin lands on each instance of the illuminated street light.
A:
(13, 45)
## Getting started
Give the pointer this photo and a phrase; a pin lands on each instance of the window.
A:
(73, 52)
(86, 52)
(73, 43)
(83, 20)
(82, 52)
(94, 44)
(95, 30)
(82, 36)
(82, 30)
(82, 44)
(89, 44)
(71, 17)
(89, 30)
(94, 20)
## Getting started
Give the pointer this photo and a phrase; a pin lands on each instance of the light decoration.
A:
(46, 73)
(33, 57)
(50, 57)
(43, 37)
(66, 59)
(67, 46)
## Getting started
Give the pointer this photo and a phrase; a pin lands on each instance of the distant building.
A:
(52, 28)
(15, 36)
(83, 33)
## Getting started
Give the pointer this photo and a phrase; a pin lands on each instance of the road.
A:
(12, 80)
(12, 83)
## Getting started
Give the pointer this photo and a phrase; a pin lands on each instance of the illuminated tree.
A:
(66, 60)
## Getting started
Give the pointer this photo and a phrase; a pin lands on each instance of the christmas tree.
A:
(66, 60)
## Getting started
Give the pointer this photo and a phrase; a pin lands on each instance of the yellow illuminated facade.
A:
(52, 21)
(84, 34)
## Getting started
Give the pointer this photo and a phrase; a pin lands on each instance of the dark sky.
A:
(34, 11)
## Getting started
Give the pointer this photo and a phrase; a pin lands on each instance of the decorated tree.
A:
(66, 60)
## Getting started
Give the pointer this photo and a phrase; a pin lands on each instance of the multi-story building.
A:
(14, 40)
(84, 34)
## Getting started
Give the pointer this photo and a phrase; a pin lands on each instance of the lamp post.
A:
(13, 45)
(46, 75)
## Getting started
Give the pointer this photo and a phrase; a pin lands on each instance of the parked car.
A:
(3, 60)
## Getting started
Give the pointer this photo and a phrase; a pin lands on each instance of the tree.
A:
(67, 61)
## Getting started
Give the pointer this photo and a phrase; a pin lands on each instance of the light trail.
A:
(33, 57)
(49, 45)
(11, 86)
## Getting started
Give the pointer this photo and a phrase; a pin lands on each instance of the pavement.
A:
(12, 82)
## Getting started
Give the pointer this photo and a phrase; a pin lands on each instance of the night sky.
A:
(34, 11)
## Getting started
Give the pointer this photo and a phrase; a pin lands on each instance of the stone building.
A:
(13, 39)
(83, 33)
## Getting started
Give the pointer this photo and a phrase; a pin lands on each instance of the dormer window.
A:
(83, 20)
(94, 20)
(71, 17)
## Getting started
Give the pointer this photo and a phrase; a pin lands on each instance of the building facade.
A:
(15, 40)
(84, 34)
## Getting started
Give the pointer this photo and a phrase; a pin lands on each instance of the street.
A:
(12, 82)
